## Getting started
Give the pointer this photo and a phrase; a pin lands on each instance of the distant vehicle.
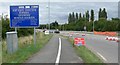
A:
(44, 30)
(47, 32)
(57, 31)
(50, 31)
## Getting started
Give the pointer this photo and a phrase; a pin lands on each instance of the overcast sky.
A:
(59, 10)
(59, 0)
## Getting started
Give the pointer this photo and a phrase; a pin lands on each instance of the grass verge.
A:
(0, 42)
(26, 49)
(85, 54)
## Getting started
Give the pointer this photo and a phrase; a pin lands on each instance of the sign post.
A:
(85, 29)
(24, 16)
(15, 29)
(34, 37)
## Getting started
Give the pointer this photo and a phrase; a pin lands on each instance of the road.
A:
(106, 50)
(57, 50)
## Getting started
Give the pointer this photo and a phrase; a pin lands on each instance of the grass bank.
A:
(86, 55)
(26, 48)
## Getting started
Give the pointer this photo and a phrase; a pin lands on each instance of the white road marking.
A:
(102, 56)
(59, 52)
(80, 59)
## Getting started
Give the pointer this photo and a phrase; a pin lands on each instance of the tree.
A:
(73, 17)
(80, 16)
(76, 16)
(87, 15)
(83, 16)
(104, 14)
(54, 25)
(99, 14)
(69, 18)
(92, 15)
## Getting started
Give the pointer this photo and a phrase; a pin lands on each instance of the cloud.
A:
(59, 10)
(68, 7)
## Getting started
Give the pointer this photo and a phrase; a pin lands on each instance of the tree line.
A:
(53, 25)
(74, 17)
(77, 21)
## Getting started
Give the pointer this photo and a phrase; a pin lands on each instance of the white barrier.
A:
(112, 38)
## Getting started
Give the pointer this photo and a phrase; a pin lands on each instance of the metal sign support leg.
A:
(34, 37)
(15, 29)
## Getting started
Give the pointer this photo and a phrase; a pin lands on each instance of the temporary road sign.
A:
(79, 41)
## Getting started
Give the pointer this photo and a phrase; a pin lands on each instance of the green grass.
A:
(26, 50)
(86, 54)
(0, 53)
(0, 42)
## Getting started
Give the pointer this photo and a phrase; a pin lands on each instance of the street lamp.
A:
(48, 6)
(93, 26)
(49, 13)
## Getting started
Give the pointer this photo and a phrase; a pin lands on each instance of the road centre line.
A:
(59, 52)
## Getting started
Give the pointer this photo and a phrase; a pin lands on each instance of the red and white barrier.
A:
(83, 34)
(112, 38)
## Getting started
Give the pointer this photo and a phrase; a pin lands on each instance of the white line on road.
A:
(59, 52)
(102, 56)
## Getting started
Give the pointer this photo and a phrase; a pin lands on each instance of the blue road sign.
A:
(24, 16)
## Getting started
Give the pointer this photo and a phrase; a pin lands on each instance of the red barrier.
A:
(106, 33)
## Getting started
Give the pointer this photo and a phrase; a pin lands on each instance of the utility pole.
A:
(49, 12)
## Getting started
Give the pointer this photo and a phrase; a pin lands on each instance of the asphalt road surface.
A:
(57, 50)
(106, 50)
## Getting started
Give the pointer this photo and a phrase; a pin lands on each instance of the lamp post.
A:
(49, 13)
(48, 7)
(93, 26)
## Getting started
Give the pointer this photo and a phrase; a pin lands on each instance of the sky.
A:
(59, 10)
(59, 0)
